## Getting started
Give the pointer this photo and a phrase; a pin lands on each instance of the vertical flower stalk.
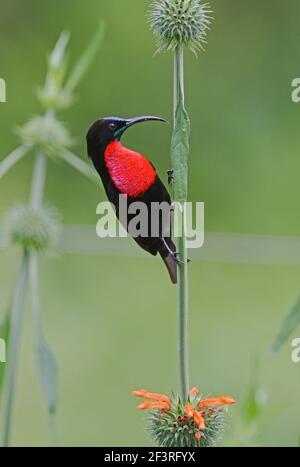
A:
(179, 24)
(22, 222)
(34, 228)
(187, 419)
(38, 181)
(179, 155)
(17, 319)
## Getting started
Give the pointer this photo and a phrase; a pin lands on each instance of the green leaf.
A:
(52, 95)
(289, 325)
(180, 152)
(85, 61)
(48, 371)
(14, 157)
(78, 164)
(4, 334)
(57, 55)
(46, 362)
(252, 408)
(58, 63)
(256, 398)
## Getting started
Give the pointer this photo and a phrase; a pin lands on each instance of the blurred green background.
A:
(112, 320)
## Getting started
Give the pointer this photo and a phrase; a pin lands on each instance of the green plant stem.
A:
(38, 181)
(181, 244)
(183, 312)
(18, 309)
(17, 318)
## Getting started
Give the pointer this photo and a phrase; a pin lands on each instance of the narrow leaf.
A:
(252, 407)
(180, 152)
(46, 362)
(85, 61)
(57, 55)
(13, 158)
(289, 325)
(48, 372)
(78, 164)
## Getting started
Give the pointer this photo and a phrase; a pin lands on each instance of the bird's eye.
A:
(112, 126)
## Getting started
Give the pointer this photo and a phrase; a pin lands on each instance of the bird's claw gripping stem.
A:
(170, 174)
(174, 254)
(178, 260)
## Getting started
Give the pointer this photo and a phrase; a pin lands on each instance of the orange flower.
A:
(151, 405)
(216, 402)
(199, 420)
(139, 393)
(157, 400)
(198, 436)
(194, 392)
(152, 395)
(190, 412)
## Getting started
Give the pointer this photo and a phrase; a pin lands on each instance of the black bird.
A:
(129, 173)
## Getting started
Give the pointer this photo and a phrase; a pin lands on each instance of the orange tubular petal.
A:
(148, 405)
(216, 401)
(158, 397)
(199, 420)
(198, 437)
(188, 410)
(152, 395)
(139, 393)
(194, 392)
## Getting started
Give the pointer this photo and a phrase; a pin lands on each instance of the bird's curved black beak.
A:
(133, 121)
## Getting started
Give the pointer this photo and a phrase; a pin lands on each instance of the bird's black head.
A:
(109, 129)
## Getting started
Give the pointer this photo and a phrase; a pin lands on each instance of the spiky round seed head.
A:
(180, 22)
(32, 230)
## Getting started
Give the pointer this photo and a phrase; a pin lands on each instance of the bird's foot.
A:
(178, 260)
(170, 174)
(175, 255)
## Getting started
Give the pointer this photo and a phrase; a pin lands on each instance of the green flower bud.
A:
(45, 132)
(180, 22)
(32, 230)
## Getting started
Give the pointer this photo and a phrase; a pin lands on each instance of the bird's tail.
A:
(171, 264)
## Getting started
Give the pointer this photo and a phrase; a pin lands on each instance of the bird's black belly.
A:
(157, 193)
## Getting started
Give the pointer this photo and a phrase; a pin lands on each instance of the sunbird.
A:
(126, 172)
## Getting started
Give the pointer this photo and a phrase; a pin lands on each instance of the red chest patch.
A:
(131, 172)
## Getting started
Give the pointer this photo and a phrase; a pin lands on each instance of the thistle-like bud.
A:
(45, 132)
(180, 22)
(31, 229)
